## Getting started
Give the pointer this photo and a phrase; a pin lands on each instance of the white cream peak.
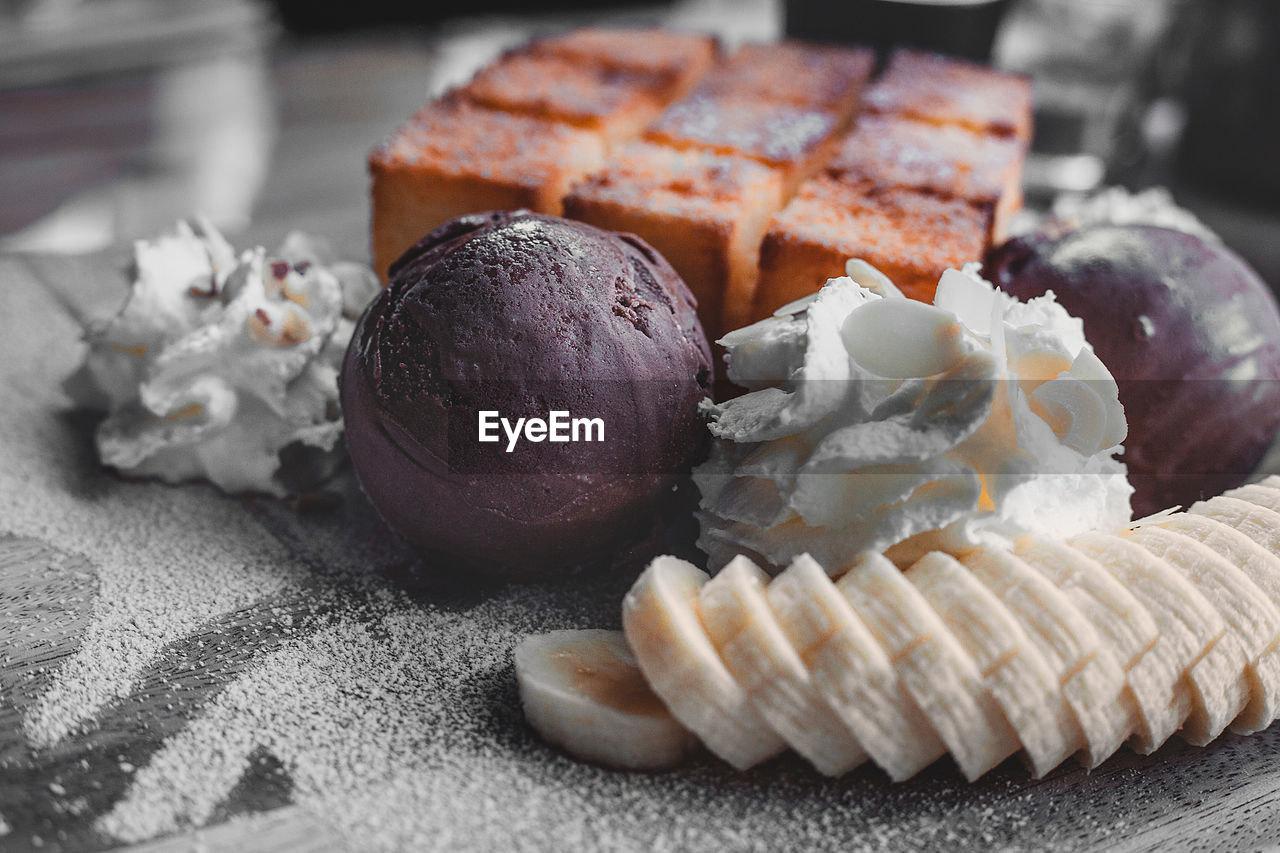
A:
(873, 421)
(217, 361)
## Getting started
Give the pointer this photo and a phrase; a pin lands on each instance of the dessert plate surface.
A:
(293, 678)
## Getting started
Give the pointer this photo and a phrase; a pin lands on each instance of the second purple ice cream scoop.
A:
(1189, 331)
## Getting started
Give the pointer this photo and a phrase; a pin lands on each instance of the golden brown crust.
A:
(929, 176)
(454, 157)
(910, 236)
(615, 103)
(942, 90)
(792, 72)
(680, 58)
(794, 140)
(705, 212)
(896, 151)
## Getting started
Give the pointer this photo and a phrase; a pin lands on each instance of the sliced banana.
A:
(660, 615)
(851, 670)
(940, 676)
(1264, 494)
(1261, 566)
(1128, 632)
(1056, 648)
(1091, 682)
(1012, 669)
(582, 692)
(1253, 621)
(1260, 524)
(1191, 630)
(761, 659)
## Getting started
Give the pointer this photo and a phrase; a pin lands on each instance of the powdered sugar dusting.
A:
(170, 559)
(399, 725)
(145, 600)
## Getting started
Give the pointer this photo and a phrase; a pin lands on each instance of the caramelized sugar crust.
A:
(942, 90)
(895, 151)
(779, 135)
(574, 123)
(676, 56)
(789, 72)
(454, 157)
(675, 181)
(615, 102)
(911, 236)
(455, 137)
(706, 212)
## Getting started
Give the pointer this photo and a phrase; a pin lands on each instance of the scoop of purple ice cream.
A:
(520, 315)
(1191, 334)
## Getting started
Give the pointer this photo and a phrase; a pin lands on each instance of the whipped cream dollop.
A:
(1118, 206)
(217, 361)
(875, 422)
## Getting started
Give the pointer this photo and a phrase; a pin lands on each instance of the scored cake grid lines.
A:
(748, 105)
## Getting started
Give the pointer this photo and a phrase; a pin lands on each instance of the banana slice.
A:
(1128, 633)
(851, 670)
(761, 659)
(1260, 524)
(582, 692)
(1253, 621)
(1195, 636)
(1264, 494)
(940, 676)
(1090, 682)
(1128, 637)
(660, 615)
(1012, 669)
(1261, 566)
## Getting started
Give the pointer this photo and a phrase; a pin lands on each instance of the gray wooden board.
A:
(1224, 797)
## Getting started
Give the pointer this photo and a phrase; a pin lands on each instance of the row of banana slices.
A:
(1050, 650)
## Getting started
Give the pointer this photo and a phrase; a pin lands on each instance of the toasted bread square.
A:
(942, 90)
(454, 157)
(895, 151)
(705, 212)
(792, 72)
(615, 103)
(910, 236)
(679, 58)
(793, 140)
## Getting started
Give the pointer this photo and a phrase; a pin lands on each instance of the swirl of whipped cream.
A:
(875, 422)
(216, 362)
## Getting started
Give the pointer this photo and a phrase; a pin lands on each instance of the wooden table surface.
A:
(92, 164)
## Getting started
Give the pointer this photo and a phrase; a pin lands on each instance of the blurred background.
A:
(119, 116)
